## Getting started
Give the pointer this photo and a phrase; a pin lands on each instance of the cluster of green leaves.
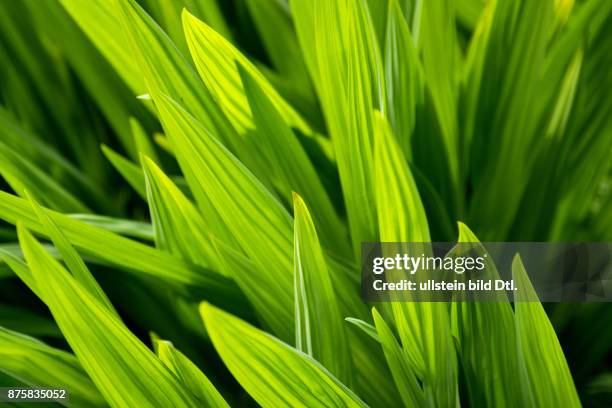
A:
(187, 184)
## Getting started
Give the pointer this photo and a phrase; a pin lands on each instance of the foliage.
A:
(186, 184)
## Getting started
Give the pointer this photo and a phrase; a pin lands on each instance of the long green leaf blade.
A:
(347, 67)
(487, 342)
(291, 168)
(190, 375)
(71, 258)
(179, 228)
(39, 365)
(216, 60)
(274, 373)
(551, 382)
(402, 218)
(108, 351)
(127, 254)
(403, 374)
(257, 223)
(319, 325)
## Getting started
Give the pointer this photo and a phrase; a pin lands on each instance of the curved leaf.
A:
(112, 356)
(318, 322)
(274, 373)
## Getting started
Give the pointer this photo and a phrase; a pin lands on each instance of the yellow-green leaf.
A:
(272, 372)
(190, 375)
(39, 365)
(319, 325)
(216, 60)
(179, 228)
(551, 382)
(113, 357)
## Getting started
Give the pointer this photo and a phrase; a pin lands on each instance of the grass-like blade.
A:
(71, 258)
(256, 222)
(319, 326)
(167, 71)
(272, 372)
(24, 175)
(126, 227)
(111, 355)
(487, 342)
(438, 46)
(551, 383)
(290, 166)
(125, 253)
(401, 218)
(128, 170)
(403, 77)
(142, 141)
(100, 20)
(216, 60)
(346, 66)
(270, 307)
(179, 228)
(39, 365)
(403, 373)
(190, 375)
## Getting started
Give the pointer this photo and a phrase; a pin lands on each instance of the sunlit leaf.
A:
(272, 372)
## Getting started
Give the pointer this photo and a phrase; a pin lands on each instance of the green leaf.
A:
(303, 18)
(371, 380)
(71, 258)
(403, 374)
(20, 269)
(121, 226)
(216, 60)
(319, 325)
(35, 149)
(272, 372)
(24, 175)
(378, 11)
(273, 22)
(270, 304)
(551, 382)
(365, 327)
(468, 12)
(403, 77)
(168, 14)
(508, 107)
(291, 169)
(100, 20)
(112, 356)
(142, 141)
(347, 68)
(128, 170)
(402, 218)
(167, 71)
(179, 228)
(212, 14)
(255, 221)
(39, 365)
(438, 46)
(110, 93)
(127, 254)
(189, 375)
(487, 342)
(472, 76)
